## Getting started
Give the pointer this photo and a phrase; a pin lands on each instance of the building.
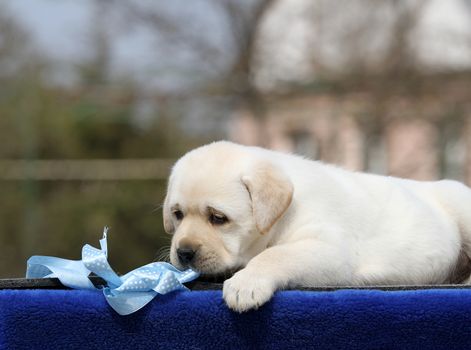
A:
(424, 136)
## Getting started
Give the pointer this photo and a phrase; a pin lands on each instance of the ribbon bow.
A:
(125, 294)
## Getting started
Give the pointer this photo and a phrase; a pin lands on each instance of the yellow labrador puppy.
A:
(284, 221)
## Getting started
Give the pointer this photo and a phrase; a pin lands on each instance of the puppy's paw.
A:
(245, 291)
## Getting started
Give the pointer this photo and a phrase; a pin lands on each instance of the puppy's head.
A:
(221, 203)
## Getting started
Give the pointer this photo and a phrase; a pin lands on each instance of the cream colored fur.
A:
(294, 222)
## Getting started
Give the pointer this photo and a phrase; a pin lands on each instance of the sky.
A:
(58, 26)
(442, 39)
(60, 29)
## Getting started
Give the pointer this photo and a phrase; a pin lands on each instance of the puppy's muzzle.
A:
(185, 256)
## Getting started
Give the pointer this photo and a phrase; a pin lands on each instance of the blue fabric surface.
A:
(81, 319)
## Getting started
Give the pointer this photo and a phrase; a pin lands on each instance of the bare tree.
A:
(15, 46)
(233, 63)
(244, 24)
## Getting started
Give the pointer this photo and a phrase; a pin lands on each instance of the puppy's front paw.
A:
(245, 291)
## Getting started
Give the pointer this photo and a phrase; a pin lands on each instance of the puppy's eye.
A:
(178, 214)
(218, 219)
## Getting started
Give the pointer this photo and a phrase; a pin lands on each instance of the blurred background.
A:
(99, 97)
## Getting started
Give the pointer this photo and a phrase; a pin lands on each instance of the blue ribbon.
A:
(125, 294)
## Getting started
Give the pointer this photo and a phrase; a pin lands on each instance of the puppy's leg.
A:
(307, 262)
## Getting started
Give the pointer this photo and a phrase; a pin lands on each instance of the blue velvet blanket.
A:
(345, 319)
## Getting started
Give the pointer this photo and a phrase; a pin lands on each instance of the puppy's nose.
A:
(185, 255)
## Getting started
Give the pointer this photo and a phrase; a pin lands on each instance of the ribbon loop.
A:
(125, 294)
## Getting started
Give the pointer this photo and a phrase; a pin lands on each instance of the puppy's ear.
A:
(167, 215)
(271, 192)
